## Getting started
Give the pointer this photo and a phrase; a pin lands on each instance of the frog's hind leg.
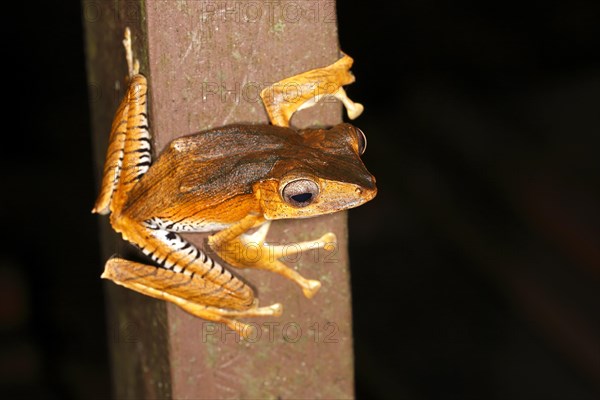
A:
(182, 290)
(129, 151)
(172, 252)
(185, 275)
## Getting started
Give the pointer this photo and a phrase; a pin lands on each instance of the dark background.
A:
(475, 270)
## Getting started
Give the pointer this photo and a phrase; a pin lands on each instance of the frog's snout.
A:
(366, 193)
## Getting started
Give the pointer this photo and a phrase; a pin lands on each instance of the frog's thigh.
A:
(172, 252)
(176, 288)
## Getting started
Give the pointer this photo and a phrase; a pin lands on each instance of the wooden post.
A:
(206, 62)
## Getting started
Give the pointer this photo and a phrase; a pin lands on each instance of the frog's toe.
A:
(311, 288)
(277, 309)
(355, 111)
(329, 241)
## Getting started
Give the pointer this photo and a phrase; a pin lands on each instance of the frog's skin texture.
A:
(228, 180)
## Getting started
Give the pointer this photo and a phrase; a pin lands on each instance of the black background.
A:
(475, 270)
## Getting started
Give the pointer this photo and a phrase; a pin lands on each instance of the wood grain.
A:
(207, 62)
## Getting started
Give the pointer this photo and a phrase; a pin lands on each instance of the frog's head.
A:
(320, 174)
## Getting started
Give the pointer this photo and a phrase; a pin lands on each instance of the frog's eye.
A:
(362, 142)
(300, 193)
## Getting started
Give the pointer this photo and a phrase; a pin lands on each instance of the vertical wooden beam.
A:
(207, 62)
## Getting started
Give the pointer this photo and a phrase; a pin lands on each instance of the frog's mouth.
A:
(343, 196)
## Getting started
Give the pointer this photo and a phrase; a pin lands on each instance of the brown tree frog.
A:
(228, 180)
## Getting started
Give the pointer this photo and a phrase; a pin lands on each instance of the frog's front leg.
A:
(307, 89)
(243, 250)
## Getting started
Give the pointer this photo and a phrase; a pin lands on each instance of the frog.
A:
(232, 182)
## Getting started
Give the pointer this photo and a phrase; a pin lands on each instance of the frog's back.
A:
(232, 140)
(209, 168)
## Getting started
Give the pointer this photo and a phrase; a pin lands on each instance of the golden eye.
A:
(300, 193)
(362, 142)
